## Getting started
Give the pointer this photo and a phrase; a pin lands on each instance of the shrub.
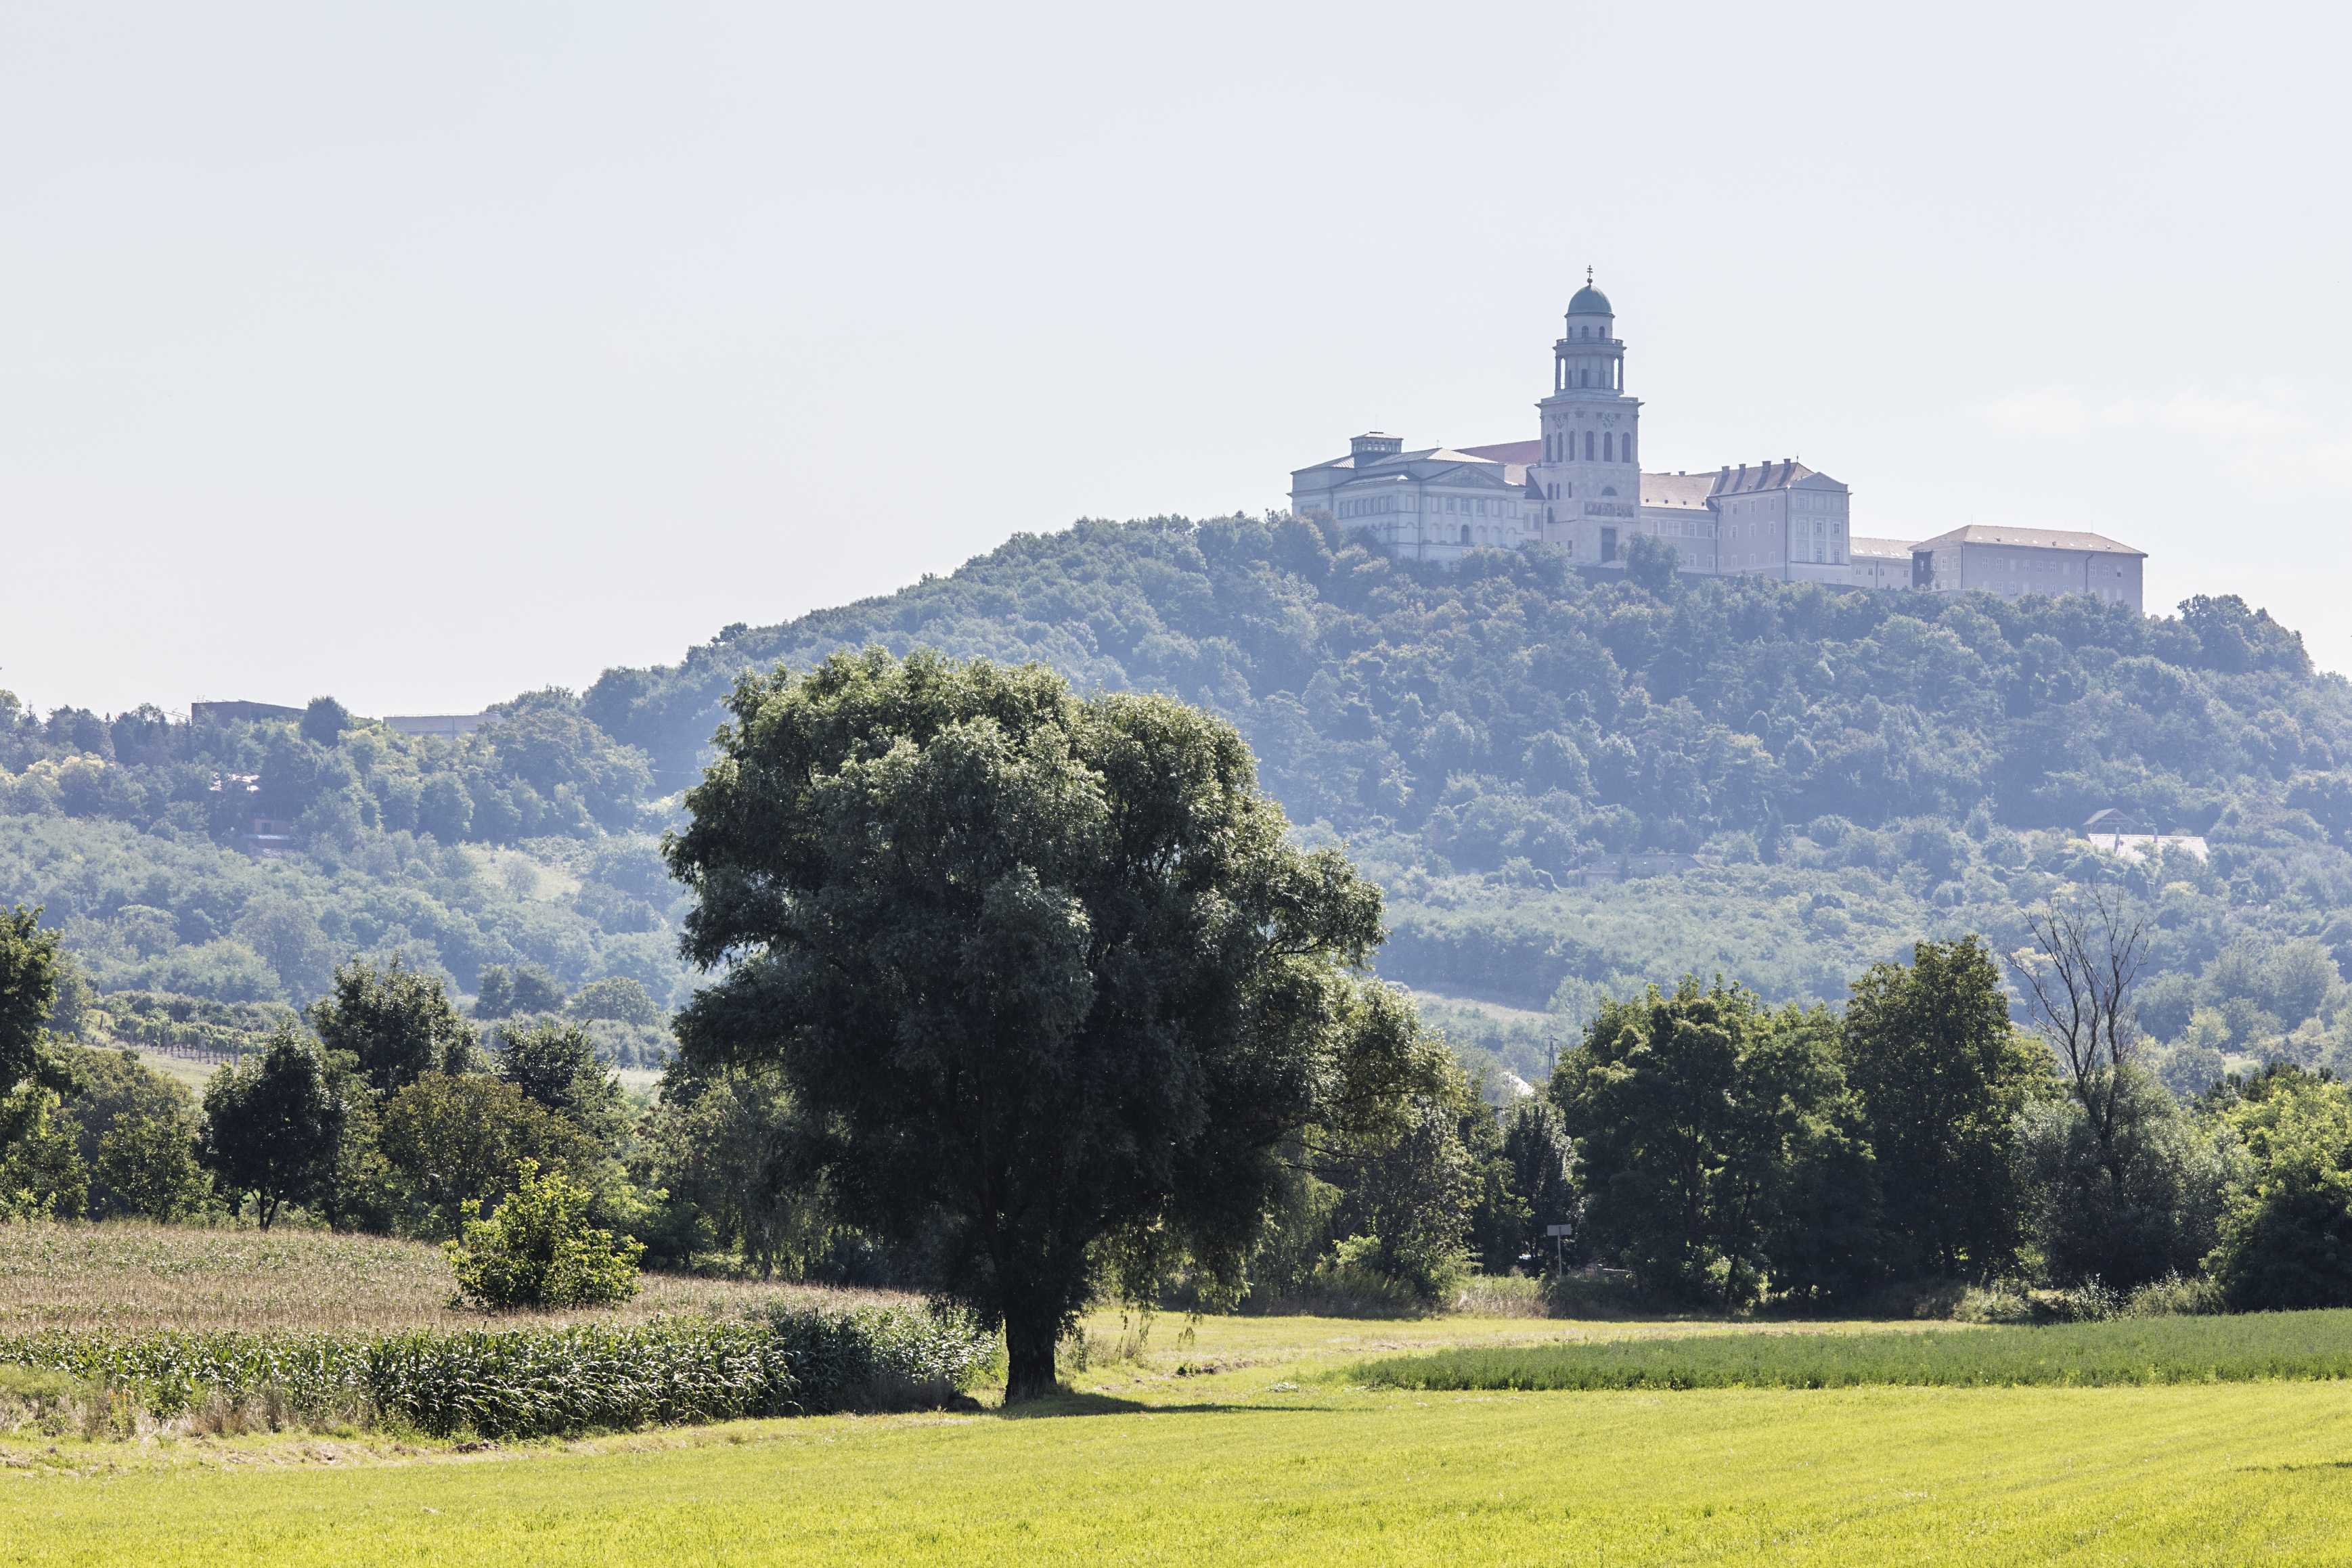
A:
(1344, 1290)
(538, 1249)
(878, 1358)
(43, 1400)
(41, 1173)
(2176, 1296)
(1500, 1296)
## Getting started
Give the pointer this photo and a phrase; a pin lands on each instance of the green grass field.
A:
(1234, 1441)
(1249, 1441)
(2103, 1354)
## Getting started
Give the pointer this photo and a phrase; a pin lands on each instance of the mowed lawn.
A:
(1259, 1451)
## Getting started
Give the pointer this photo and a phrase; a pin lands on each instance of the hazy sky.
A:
(425, 354)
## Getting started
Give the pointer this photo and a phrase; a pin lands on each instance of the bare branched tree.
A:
(2077, 974)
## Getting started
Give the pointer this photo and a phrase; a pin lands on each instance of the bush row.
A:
(539, 1381)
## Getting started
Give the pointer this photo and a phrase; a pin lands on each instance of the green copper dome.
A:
(1590, 301)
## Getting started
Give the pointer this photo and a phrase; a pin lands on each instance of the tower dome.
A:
(1590, 301)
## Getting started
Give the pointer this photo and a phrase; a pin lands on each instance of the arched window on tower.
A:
(1609, 446)
(1627, 447)
(1588, 446)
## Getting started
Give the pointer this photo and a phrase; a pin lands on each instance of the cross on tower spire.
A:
(1588, 277)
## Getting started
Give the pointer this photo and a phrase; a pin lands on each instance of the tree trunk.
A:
(1029, 1339)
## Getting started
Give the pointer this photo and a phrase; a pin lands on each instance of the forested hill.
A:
(1823, 777)
(1850, 770)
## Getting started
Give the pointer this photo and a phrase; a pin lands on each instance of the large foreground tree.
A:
(1042, 973)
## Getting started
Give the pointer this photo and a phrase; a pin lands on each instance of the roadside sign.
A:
(1559, 1230)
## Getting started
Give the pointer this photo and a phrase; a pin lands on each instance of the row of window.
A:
(1560, 446)
(1476, 505)
(1398, 534)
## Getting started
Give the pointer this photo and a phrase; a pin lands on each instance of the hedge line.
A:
(539, 1381)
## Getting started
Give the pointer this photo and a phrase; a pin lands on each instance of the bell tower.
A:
(1591, 472)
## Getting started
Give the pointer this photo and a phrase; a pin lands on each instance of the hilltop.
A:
(1568, 785)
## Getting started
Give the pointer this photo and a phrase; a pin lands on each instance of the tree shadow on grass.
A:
(1069, 1402)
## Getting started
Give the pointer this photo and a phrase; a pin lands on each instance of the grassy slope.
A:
(1232, 1467)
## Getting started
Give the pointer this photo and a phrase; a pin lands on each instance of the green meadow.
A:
(1257, 1441)
(2256, 1346)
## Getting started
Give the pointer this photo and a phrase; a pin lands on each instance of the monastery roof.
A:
(1437, 464)
(1689, 491)
(1510, 451)
(1892, 549)
(1768, 475)
(2031, 538)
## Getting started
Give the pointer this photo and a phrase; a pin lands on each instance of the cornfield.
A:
(529, 1382)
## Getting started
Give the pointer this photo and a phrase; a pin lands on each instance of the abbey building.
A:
(1578, 485)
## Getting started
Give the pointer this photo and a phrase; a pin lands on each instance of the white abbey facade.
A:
(1580, 486)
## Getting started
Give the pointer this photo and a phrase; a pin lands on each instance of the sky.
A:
(425, 354)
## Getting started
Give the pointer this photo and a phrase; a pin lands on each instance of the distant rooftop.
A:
(1891, 549)
(448, 726)
(2031, 538)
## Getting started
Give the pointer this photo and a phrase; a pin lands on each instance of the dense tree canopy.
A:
(1045, 971)
(1852, 770)
(1847, 771)
(28, 986)
(394, 1024)
(1941, 1077)
(1719, 1145)
(272, 1124)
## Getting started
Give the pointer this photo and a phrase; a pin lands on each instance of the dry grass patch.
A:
(124, 1276)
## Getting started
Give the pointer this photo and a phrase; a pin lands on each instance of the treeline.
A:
(528, 843)
(538, 768)
(384, 1108)
(1730, 1152)
(381, 1109)
(143, 912)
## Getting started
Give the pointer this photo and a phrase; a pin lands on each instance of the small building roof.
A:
(1509, 451)
(2031, 538)
(1892, 549)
